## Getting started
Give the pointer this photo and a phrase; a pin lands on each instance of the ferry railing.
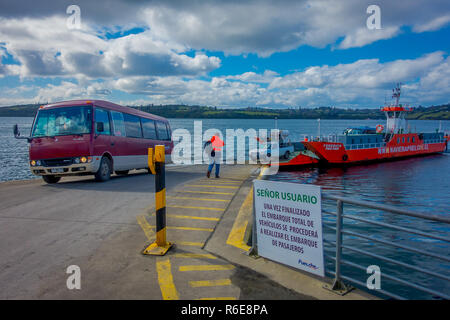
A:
(364, 146)
(328, 138)
(339, 286)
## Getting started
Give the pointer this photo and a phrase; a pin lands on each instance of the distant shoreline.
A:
(441, 112)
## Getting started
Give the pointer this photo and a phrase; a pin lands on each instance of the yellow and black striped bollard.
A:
(156, 164)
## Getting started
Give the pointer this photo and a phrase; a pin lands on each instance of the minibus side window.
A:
(118, 124)
(103, 117)
(162, 130)
(169, 134)
(148, 126)
(132, 126)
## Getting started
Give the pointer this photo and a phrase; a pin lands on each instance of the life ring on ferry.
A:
(379, 128)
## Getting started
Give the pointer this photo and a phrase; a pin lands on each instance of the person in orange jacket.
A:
(214, 149)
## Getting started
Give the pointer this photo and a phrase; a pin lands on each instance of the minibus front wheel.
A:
(51, 179)
(104, 171)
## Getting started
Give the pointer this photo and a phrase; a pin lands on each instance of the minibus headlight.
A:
(32, 163)
(83, 159)
(38, 163)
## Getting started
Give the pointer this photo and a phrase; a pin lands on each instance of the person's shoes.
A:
(217, 177)
(208, 174)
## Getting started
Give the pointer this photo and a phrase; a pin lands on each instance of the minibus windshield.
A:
(63, 121)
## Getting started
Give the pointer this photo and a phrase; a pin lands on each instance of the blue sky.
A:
(225, 53)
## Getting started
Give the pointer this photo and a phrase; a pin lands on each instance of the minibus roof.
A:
(104, 104)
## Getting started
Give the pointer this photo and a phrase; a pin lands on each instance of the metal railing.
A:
(350, 146)
(340, 286)
(434, 141)
(323, 138)
(365, 146)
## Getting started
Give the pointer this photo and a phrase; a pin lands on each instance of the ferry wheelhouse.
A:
(395, 140)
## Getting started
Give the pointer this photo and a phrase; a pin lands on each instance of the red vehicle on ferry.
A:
(83, 137)
(381, 143)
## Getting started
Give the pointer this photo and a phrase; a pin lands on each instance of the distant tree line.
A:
(441, 112)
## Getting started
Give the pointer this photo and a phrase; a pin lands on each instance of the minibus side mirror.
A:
(17, 133)
(100, 127)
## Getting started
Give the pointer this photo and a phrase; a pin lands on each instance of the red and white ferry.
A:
(381, 143)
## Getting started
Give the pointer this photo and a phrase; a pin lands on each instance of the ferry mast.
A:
(395, 114)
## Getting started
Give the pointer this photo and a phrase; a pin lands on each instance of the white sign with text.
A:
(289, 224)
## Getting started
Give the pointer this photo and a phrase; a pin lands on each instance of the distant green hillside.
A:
(27, 110)
(198, 112)
(431, 113)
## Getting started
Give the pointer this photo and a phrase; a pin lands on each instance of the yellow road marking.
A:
(237, 233)
(200, 208)
(201, 199)
(192, 229)
(219, 298)
(208, 186)
(225, 179)
(148, 229)
(165, 280)
(210, 283)
(207, 267)
(188, 243)
(194, 255)
(192, 217)
(262, 172)
(220, 182)
(206, 192)
(188, 228)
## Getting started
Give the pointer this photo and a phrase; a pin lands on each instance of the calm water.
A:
(420, 184)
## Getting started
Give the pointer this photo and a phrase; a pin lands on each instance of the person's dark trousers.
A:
(210, 167)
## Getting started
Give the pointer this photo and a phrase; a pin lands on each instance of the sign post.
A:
(288, 219)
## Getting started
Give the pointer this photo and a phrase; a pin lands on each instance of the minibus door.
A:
(102, 137)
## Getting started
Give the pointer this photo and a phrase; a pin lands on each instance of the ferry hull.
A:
(299, 160)
(336, 153)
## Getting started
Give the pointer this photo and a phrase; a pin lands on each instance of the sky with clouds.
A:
(234, 53)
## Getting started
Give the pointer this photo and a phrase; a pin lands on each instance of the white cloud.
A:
(45, 47)
(362, 83)
(364, 36)
(368, 73)
(265, 27)
(157, 63)
(251, 76)
(234, 27)
(433, 25)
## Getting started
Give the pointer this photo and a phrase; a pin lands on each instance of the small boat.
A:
(290, 153)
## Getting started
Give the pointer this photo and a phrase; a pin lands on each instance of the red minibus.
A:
(97, 137)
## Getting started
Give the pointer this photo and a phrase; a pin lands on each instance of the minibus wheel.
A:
(104, 171)
(51, 179)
